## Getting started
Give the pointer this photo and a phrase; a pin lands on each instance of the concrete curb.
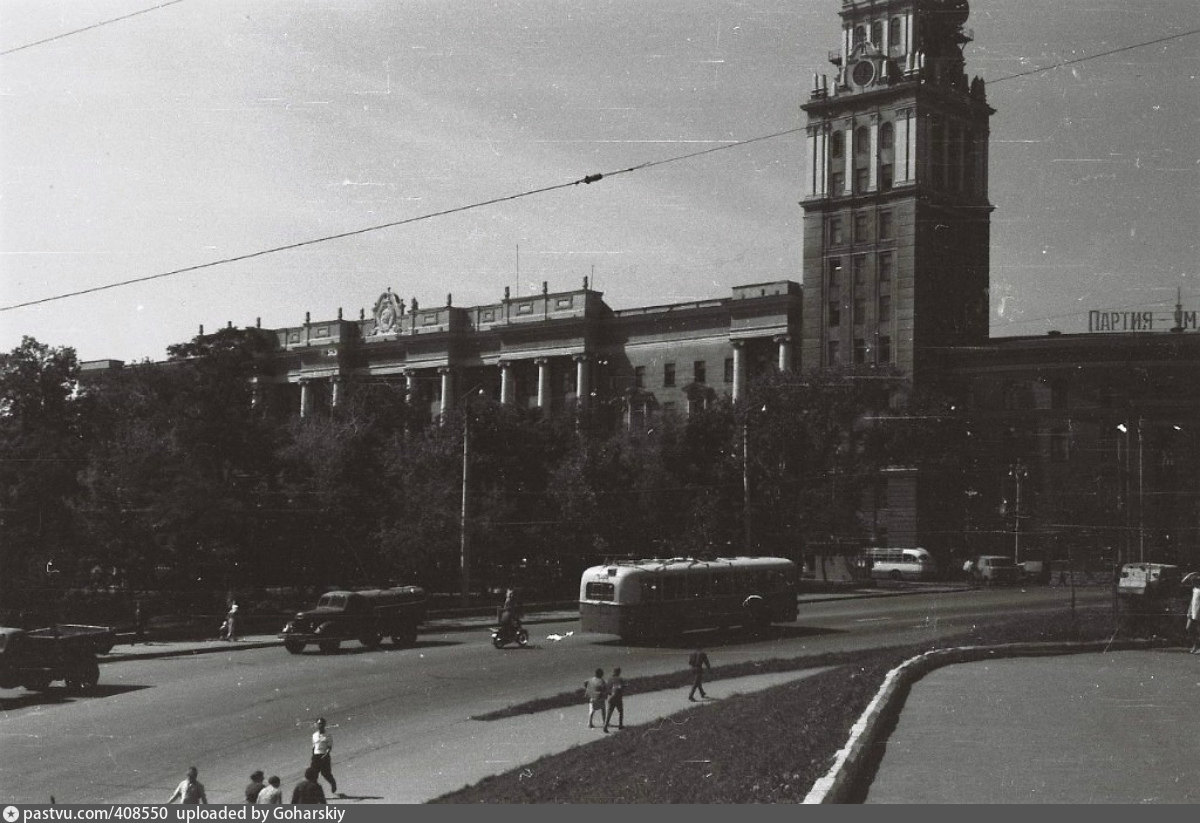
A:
(860, 754)
(116, 657)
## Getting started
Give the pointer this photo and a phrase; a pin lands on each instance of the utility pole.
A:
(1141, 498)
(746, 482)
(1017, 472)
(465, 537)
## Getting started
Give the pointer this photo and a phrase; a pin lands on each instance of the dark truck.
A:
(1152, 600)
(365, 616)
(38, 657)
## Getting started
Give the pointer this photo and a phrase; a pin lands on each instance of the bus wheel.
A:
(895, 575)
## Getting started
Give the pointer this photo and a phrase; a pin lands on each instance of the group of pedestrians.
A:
(608, 696)
(308, 791)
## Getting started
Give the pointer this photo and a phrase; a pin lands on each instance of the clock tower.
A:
(896, 212)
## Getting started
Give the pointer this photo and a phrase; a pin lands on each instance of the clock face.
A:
(863, 73)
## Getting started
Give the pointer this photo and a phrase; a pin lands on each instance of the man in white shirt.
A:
(189, 790)
(271, 794)
(322, 748)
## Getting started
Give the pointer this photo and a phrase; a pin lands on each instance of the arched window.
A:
(887, 135)
(860, 34)
(862, 140)
(877, 33)
(894, 32)
(837, 144)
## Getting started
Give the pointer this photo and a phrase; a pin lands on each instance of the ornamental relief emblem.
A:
(388, 311)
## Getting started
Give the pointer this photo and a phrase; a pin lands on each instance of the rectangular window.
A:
(886, 177)
(835, 272)
(836, 237)
(860, 350)
(668, 374)
(885, 225)
(861, 178)
(837, 183)
(699, 372)
(600, 591)
(728, 369)
(639, 377)
(834, 357)
(885, 267)
(861, 229)
(835, 313)
(884, 352)
(860, 270)
(885, 308)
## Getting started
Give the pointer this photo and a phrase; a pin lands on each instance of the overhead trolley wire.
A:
(88, 28)
(588, 179)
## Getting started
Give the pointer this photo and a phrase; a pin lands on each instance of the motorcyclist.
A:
(510, 613)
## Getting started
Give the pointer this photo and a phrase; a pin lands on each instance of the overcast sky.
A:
(214, 128)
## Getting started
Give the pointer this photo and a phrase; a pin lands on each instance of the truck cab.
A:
(366, 616)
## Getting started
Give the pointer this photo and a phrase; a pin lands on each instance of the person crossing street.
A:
(322, 752)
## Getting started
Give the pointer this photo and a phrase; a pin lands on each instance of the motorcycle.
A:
(513, 633)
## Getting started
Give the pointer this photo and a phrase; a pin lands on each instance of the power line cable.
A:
(588, 179)
(1095, 56)
(88, 28)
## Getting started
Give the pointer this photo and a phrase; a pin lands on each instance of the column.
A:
(447, 389)
(784, 341)
(506, 382)
(335, 392)
(543, 394)
(583, 385)
(305, 399)
(410, 386)
(815, 161)
(739, 369)
(873, 168)
(848, 149)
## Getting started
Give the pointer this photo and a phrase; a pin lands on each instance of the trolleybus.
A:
(663, 597)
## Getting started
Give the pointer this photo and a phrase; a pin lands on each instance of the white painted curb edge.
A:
(851, 760)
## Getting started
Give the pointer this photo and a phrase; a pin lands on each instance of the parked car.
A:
(994, 568)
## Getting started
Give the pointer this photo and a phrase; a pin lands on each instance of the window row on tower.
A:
(895, 149)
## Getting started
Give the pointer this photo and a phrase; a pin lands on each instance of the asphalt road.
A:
(389, 710)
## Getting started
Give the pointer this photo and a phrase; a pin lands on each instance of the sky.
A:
(207, 129)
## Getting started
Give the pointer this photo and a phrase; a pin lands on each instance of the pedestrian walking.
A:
(616, 700)
(1193, 615)
(255, 786)
(271, 794)
(596, 689)
(308, 790)
(139, 624)
(698, 661)
(231, 622)
(190, 790)
(322, 754)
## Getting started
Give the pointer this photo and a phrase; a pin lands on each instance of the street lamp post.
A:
(1018, 473)
(1121, 427)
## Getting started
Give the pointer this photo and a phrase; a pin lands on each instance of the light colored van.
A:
(901, 564)
(995, 568)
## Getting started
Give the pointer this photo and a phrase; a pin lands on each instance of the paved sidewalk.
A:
(447, 754)
(1117, 727)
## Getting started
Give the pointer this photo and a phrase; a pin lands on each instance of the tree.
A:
(40, 452)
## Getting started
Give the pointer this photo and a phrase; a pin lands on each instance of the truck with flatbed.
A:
(366, 616)
(36, 658)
